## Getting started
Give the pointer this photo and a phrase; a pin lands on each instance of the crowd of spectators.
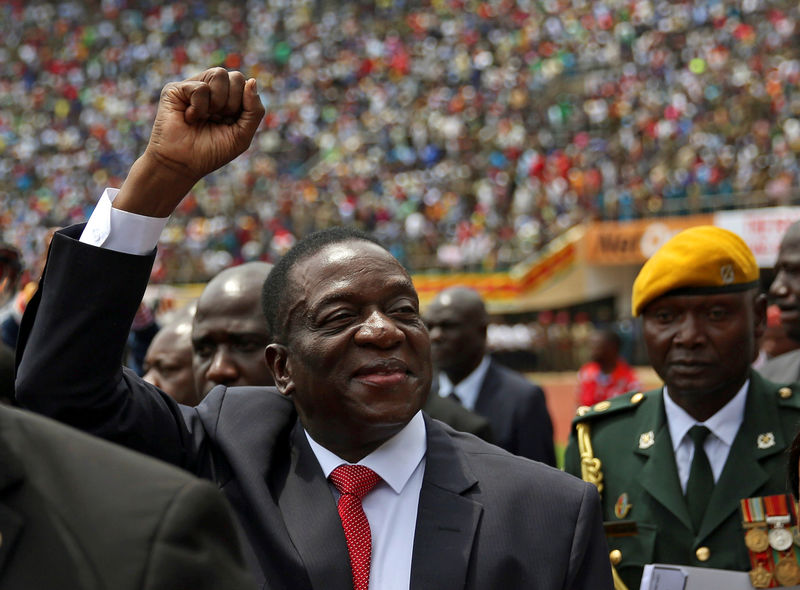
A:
(463, 133)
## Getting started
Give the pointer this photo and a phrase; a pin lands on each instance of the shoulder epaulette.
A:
(615, 405)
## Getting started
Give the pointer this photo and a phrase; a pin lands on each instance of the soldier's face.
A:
(702, 345)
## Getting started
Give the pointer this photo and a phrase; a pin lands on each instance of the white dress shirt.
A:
(391, 507)
(468, 388)
(119, 230)
(723, 426)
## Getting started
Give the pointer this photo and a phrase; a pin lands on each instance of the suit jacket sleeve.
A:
(536, 429)
(589, 565)
(71, 343)
(196, 545)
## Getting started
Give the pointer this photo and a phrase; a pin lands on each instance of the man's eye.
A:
(168, 370)
(337, 319)
(717, 313)
(203, 349)
(790, 269)
(664, 315)
(339, 316)
(249, 346)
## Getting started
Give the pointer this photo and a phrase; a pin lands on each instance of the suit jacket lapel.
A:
(760, 417)
(659, 475)
(486, 404)
(446, 519)
(310, 514)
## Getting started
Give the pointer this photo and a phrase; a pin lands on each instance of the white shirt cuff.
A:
(119, 230)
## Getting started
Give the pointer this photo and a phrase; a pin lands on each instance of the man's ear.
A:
(277, 357)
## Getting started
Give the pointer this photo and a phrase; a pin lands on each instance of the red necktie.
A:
(353, 483)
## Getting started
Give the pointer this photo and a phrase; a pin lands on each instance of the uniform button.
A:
(637, 397)
(703, 553)
(602, 406)
(785, 392)
(583, 410)
(615, 556)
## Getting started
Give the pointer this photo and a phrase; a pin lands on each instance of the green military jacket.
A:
(630, 436)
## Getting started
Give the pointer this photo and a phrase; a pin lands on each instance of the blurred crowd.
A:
(464, 134)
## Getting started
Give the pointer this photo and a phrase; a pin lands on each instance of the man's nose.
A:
(779, 287)
(690, 331)
(379, 330)
(222, 368)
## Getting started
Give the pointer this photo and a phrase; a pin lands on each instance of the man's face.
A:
(785, 288)
(458, 337)
(168, 364)
(357, 358)
(229, 337)
(602, 349)
(702, 345)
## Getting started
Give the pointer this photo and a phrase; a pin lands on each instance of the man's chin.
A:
(688, 387)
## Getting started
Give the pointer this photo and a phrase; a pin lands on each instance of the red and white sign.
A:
(761, 229)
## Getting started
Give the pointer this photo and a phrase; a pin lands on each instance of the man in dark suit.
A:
(678, 460)
(351, 362)
(77, 513)
(516, 408)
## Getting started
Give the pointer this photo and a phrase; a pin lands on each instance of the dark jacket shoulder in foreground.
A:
(77, 513)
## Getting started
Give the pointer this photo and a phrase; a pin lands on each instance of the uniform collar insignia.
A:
(647, 440)
(766, 440)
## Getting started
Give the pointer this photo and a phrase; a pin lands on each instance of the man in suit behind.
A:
(678, 460)
(229, 332)
(351, 361)
(785, 291)
(78, 513)
(516, 408)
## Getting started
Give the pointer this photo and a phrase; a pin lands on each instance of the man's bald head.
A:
(236, 282)
(457, 322)
(467, 301)
(230, 333)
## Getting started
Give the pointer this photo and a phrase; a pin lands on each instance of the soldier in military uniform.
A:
(702, 315)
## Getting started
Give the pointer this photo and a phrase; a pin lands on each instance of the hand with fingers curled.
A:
(202, 123)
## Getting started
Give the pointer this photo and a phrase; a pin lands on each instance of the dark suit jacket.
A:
(458, 417)
(77, 513)
(486, 519)
(632, 440)
(6, 373)
(784, 368)
(517, 412)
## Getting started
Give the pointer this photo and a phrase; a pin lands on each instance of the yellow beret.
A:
(702, 259)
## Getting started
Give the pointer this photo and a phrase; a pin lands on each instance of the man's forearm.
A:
(71, 341)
